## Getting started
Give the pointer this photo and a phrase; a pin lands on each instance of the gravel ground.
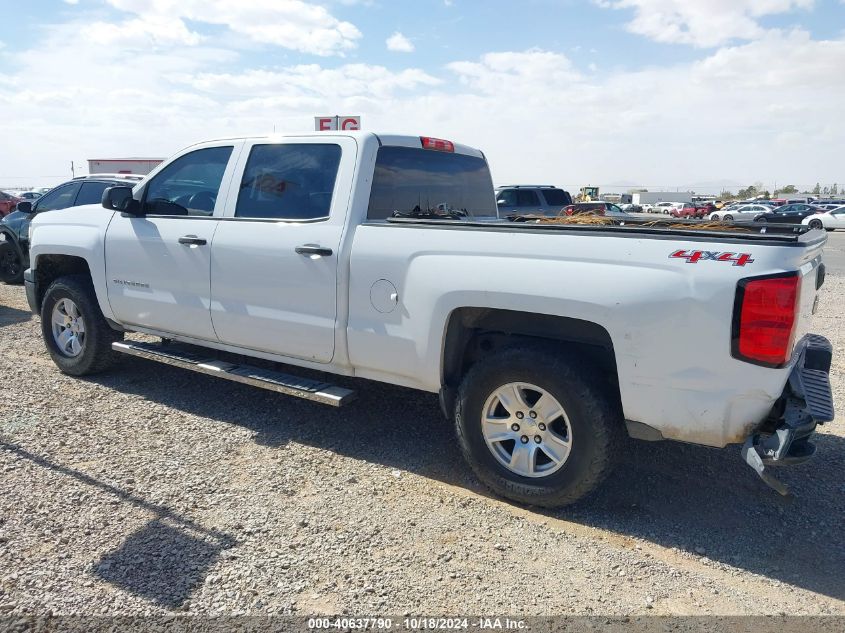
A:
(154, 490)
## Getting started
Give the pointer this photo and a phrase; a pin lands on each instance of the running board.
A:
(257, 377)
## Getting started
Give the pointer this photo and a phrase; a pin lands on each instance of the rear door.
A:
(274, 257)
(528, 201)
(158, 265)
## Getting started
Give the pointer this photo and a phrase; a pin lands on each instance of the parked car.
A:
(829, 220)
(648, 208)
(742, 211)
(827, 206)
(32, 196)
(689, 210)
(788, 213)
(8, 202)
(531, 199)
(14, 240)
(546, 342)
(667, 207)
(630, 207)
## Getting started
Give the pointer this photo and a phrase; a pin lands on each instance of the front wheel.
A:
(760, 219)
(75, 332)
(729, 218)
(537, 427)
(11, 264)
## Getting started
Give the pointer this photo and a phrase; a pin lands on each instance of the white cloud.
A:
(528, 73)
(311, 80)
(699, 23)
(399, 43)
(71, 1)
(292, 24)
(142, 31)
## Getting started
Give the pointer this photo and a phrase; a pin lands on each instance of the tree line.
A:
(757, 191)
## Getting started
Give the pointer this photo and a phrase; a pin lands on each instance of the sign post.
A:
(343, 123)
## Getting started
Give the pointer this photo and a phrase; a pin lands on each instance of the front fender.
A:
(76, 232)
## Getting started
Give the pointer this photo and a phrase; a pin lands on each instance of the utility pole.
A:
(72, 171)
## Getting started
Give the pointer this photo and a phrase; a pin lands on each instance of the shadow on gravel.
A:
(13, 316)
(704, 501)
(162, 563)
(165, 560)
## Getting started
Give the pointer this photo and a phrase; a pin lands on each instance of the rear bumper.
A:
(807, 401)
(29, 284)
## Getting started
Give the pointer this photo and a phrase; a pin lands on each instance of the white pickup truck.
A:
(375, 256)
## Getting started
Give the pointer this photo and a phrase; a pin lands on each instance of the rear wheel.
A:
(816, 224)
(537, 427)
(11, 264)
(74, 329)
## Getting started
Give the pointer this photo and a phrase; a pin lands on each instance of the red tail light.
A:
(764, 319)
(439, 144)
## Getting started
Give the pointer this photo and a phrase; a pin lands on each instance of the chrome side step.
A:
(257, 377)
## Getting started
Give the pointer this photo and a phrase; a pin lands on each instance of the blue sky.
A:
(650, 92)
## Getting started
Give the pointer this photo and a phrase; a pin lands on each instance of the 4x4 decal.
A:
(693, 257)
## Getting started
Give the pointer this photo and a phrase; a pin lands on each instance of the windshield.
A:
(410, 181)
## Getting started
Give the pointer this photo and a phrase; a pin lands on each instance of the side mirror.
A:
(120, 198)
(24, 206)
(500, 202)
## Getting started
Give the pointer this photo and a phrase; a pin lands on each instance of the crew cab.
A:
(374, 256)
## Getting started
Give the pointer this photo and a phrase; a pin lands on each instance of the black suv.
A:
(14, 228)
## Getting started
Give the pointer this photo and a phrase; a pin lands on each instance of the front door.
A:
(274, 260)
(158, 264)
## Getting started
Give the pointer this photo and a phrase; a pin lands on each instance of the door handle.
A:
(313, 249)
(192, 240)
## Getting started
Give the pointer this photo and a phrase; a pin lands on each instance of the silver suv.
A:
(525, 199)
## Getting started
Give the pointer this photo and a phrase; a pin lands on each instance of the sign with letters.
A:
(343, 123)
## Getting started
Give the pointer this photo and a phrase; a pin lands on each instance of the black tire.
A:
(11, 264)
(592, 409)
(729, 218)
(760, 219)
(815, 224)
(97, 354)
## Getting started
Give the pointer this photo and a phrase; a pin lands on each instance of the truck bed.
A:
(779, 234)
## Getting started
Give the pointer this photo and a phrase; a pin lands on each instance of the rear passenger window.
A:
(526, 198)
(289, 182)
(91, 193)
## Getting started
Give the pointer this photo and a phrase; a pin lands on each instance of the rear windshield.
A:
(407, 178)
(556, 197)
